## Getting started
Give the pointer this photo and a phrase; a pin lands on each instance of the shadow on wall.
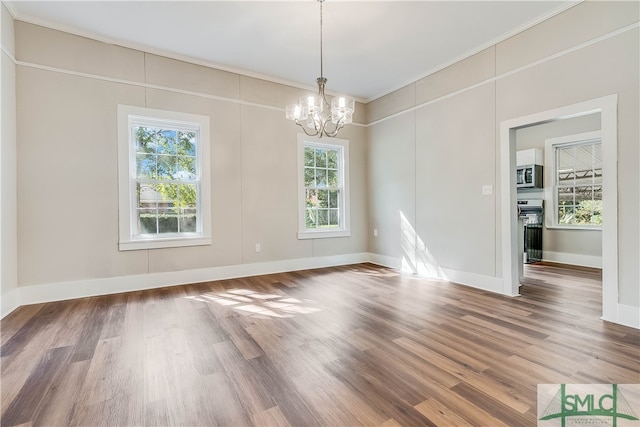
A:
(416, 257)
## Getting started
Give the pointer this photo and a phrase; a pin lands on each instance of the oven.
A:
(532, 212)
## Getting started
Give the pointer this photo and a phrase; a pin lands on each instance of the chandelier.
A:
(313, 113)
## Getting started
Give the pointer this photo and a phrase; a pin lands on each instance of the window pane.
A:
(167, 223)
(332, 178)
(146, 166)
(186, 143)
(565, 215)
(323, 198)
(565, 162)
(309, 157)
(332, 159)
(145, 141)
(186, 168)
(321, 177)
(334, 217)
(188, 221)
(565, 195)
(309, 177)
(321, 158)
(311, 218)
(166, 141)
(333, 199)
(323, 217)
(148, 195)
(147, 221)
(167, 167)
(312, 198)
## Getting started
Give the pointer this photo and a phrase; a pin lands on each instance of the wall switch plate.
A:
(375, 232)
(487, 190)
(258, 248)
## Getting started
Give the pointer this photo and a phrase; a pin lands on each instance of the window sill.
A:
(574, 227)
(302, 235)
(167, 242)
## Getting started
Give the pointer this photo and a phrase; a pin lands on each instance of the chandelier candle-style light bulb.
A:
(312, 107)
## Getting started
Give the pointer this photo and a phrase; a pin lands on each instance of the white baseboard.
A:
(385, 261)
(573, 259)
(473, 280)
(479, 281)
(86, 288)
(628, 316)
(10, 301)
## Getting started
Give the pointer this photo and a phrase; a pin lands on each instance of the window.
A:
(323, 184)
(163, 168)
(577, 181)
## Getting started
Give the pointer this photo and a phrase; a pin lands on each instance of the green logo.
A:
(588, 404)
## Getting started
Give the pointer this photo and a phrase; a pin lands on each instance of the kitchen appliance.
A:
(529, 176)
(532, 212)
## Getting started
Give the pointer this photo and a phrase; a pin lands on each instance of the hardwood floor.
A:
(345, 346)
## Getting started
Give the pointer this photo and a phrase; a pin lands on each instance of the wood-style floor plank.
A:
(357, 345)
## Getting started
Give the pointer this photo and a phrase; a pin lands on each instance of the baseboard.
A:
(59, 291)
(628, 316)
(473, 280)
(385, 261)
(573, 259)
(10, 301)
(479, 281)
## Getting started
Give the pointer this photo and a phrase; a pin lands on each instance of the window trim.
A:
(550, 194)
(345, 220)
(127, 115)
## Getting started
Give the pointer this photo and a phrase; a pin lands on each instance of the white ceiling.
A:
(370, 47)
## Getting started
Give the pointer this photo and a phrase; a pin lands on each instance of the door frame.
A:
(607, 107)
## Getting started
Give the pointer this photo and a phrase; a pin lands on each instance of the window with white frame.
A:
(163, 168)
(323, 188)
(577, 181)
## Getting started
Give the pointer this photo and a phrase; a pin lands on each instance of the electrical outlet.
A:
(487, 190)
(258, 248)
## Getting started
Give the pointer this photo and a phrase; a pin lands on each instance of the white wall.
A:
(578, 247)
(586, 52)
(67, 169)
(8, 211)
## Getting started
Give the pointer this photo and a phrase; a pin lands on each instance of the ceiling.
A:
(370, 47)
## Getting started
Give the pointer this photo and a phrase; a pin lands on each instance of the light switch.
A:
(487, 190)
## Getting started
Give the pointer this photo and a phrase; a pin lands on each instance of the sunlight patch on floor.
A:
(257, 304)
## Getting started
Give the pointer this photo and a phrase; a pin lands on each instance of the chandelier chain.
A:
(321, 68)
(315, 111)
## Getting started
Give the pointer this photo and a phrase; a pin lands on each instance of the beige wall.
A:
(8, 210)
(414, 176)
(67, 163)
(570, 58)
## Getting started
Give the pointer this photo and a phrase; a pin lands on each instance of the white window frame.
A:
(344, 228)
(128, 117)
(550, 162)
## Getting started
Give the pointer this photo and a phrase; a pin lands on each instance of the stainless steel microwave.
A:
(529, 176)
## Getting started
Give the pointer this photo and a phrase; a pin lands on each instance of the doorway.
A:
(607, 107)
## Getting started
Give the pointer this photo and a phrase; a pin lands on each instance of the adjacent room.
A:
(320, 213)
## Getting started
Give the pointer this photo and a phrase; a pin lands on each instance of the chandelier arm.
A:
(305, 129)
(335, 131)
